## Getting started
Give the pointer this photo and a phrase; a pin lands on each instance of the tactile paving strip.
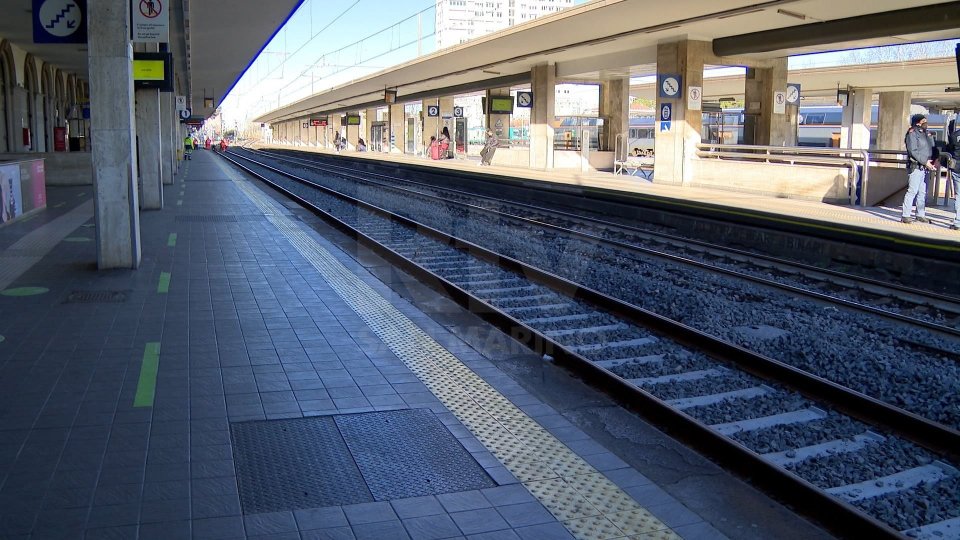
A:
(295, 463)
(501, 426)
(409, 453)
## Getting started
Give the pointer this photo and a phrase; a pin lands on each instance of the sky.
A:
(324, 37)
(327, 43)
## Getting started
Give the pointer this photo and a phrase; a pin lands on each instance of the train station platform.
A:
(261, 376)
(857, 224)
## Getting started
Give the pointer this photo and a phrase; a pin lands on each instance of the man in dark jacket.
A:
(920, 161)
(953, 138)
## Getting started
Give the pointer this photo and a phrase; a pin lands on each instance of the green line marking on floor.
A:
(147, 385)
(172, 240)
(180, 202)
(25, 291)
(80, 195)
(77, 239)
(164, 286)
(2, 339)
(58, 205)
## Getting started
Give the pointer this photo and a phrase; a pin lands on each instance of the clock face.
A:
(671, 86)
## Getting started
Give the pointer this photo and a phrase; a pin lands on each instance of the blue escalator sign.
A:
(59, 21)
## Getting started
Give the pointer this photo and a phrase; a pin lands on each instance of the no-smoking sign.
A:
(694, 98)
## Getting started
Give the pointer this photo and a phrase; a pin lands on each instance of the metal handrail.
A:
(826, 156)
(852, 164)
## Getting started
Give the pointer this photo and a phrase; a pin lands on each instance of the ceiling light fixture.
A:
(793, 14)
(491, 72)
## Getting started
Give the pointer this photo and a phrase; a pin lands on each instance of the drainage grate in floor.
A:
(218, 218)
(408, 454)
(96, 297)
(296, 463)
(348, 459)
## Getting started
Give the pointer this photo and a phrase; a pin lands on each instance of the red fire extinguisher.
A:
(26, 137)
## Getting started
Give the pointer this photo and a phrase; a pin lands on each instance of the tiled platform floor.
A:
(247, 330)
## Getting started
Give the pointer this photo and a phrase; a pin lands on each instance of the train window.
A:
(833, 118)
(813, 118)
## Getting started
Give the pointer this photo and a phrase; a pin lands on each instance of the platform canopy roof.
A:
(212, 41)
(608, 38)
(926, 79)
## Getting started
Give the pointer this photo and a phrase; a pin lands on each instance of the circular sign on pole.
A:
(185, 113)
(458, 112)
(666, 112)
(793, 94)
(671, 86)
(433, 110)
(150, 8)
(524, 99)
(60, 18)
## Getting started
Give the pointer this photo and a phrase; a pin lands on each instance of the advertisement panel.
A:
(32, 185)
(10, 199)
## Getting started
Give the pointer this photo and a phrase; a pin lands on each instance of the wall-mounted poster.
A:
(10, 201)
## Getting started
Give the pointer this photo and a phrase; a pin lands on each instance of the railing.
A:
(855, 160)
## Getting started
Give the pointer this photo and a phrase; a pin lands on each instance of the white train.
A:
(818, 126)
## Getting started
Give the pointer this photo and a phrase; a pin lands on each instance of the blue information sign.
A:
(666, 112)
(664, 126)
(59, 21)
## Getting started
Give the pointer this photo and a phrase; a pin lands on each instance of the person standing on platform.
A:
(489, 148)
(919, 146)
(444, 142)
(188, 147)
(953, 139)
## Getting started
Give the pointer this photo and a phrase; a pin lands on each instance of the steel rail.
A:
(832, 511)
(932, 435)
(824, 297)
(784, 262)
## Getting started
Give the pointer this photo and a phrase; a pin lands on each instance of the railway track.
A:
(923, 309)
(816, 336)
(865, 466)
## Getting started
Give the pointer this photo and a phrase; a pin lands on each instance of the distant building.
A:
(459, 21)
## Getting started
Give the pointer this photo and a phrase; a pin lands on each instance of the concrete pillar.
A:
(893, 119)
(855, 131)
(433, 125)
(615, 111)
(396, 143)
(39, 129)
(112, 130)
(168, 134)
(543, 83)
(335, 128)
(149, 148)
(353, 132)
(21, 120)
(763, 126)
(675, 145)
(499, 123)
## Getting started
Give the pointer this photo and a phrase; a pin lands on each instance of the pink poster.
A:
(39, 179)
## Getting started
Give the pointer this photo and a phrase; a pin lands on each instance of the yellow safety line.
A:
(590, 505)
